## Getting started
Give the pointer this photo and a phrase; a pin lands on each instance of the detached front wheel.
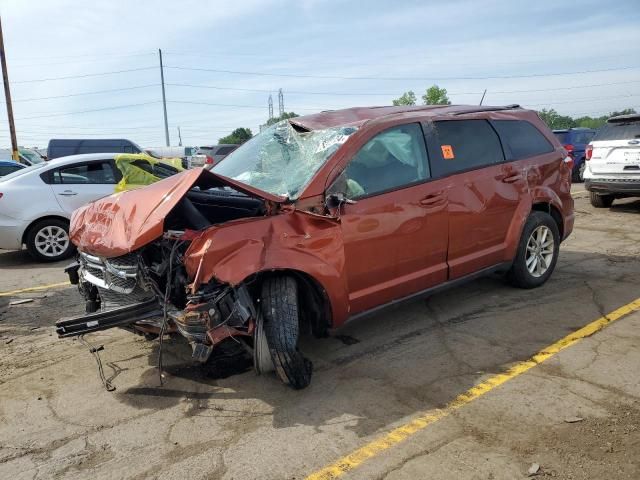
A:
(537, 252)
(279, 304)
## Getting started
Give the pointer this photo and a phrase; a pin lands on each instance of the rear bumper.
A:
(630, 187)
(11, 233)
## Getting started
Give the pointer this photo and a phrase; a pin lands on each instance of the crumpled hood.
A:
(124, 222)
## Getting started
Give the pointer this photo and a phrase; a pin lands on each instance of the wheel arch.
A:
(553, 211)
(26, 231)
(317, 316)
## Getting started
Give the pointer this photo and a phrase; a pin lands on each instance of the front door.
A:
(78, 184)
(395, 231)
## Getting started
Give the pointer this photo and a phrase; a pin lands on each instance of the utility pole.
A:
(164, 100)
(7, 96)
(280, 102)
(482, 99)
(270, 107)
(179, 138)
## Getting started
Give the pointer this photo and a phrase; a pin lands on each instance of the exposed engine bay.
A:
(147, 291)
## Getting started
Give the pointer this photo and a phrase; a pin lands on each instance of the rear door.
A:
(483, 196)
(616, 150)
(78, 184)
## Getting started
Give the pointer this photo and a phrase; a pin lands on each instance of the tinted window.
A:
(225, 150)
(392, 159)
(7, 169)
(466, 144)
(562, 137)
(618, 131)
(582, 138)
(521, 139)
(86, 173)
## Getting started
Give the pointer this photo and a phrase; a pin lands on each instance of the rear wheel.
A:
(48, 240)
(601, 201)
(537, 252)
(279, 304)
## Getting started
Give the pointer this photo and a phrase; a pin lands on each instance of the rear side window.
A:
(85, 173)
(465, 145)
(618, 131)
(562, 137)
(521, 139)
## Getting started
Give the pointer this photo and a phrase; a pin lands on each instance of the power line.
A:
(332, 77)
(89, 111)
(87, 93)
(86, 75)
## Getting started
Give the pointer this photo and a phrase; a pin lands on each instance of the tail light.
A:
(208, 160)
(569, 148)
(588, 152)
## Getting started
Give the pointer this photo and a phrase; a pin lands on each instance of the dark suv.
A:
(575, 141)
(321, 219)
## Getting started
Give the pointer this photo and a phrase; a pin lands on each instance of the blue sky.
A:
(310, 49)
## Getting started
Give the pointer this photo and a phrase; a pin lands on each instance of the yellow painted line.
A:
(401, 433)
(34, 289)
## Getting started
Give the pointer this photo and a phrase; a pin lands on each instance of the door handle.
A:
(511, 178)
(68, 193)
(431, 200)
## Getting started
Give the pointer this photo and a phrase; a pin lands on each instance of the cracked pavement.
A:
(57, 421)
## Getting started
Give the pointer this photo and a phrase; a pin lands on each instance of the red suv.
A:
(321, 219)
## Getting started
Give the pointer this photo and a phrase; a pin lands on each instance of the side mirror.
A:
(337, 199)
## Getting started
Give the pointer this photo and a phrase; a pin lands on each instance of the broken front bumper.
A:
(117, 317)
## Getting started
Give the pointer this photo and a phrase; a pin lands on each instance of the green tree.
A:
(556, 121)
(284, 116)
(436, 96)
(407, 98)
(237, 137)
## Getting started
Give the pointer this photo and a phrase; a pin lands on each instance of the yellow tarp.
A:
(137, 169)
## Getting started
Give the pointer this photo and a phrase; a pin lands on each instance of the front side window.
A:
(521, 139)
(392, 159)
(85, 173)
(7, 169)
(465, 145)
(282, 160)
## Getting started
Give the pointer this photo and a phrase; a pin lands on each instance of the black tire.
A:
(56, 224)
(279, 303)
(519, 275)
(601, 201)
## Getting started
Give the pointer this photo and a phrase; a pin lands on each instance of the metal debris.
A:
(21, 301)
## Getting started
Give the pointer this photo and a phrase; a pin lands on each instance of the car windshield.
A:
(23, 171)
(618, 131)
(281, 160)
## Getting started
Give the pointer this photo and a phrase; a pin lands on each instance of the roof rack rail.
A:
(513, 106)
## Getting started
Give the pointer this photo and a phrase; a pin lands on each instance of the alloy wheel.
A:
(540, 251)
(51, 241)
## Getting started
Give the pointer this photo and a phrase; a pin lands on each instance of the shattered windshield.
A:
(280, 160)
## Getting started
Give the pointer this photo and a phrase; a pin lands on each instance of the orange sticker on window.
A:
(447, 152)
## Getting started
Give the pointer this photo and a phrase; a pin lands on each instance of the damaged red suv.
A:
(321, 219)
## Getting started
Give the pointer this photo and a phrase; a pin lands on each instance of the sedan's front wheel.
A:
(537, 252)
(48, 240)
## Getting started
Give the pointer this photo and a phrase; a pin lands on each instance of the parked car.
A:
(209, 156)
(324, 218)
(9, 166)
(66, 147)
(27, 156)
(574, 141)
(613, 161)
(36, 202)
